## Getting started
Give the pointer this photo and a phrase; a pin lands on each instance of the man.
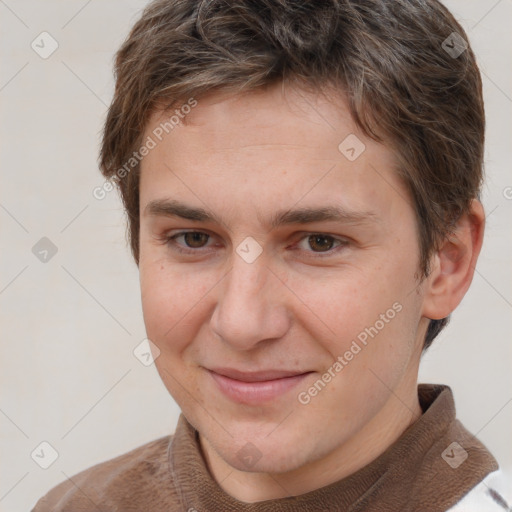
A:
(302, 186)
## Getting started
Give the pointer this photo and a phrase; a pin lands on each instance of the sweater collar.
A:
(422, 470)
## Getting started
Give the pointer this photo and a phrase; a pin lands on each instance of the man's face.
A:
(274, 284)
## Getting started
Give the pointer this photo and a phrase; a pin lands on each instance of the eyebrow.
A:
(305, 215)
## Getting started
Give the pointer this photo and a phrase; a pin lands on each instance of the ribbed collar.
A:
(414, 474)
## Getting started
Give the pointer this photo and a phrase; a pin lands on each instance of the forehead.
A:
(253, 114)
(283, 145)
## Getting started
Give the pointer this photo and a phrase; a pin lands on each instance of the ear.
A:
(453, 265)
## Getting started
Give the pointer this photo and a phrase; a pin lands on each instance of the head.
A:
(329, 158)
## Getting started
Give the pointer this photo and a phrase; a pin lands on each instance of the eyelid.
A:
(343, 242)
(170, 240)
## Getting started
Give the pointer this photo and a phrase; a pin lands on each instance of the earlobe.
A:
(453, 264)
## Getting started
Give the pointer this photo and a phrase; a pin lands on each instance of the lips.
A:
(253, 388)
(259, 376)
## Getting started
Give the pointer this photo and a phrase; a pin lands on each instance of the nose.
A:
(251, 305)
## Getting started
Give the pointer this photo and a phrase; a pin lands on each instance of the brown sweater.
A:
(169, 474)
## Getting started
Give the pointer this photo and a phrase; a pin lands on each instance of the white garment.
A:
(480, 498)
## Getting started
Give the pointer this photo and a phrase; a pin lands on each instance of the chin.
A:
(274, 454)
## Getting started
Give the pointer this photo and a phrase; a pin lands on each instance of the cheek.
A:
(172, 303)
(369, 318)
(338, 306)
(375, 356)
(174, 308)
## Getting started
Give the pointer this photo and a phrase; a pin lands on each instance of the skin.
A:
(299, 305)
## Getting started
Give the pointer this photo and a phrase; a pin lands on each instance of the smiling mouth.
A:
(256, 387)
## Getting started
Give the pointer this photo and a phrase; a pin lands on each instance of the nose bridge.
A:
(248, 307)
(245, 282)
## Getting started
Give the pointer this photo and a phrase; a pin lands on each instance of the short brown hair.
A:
(409, 76)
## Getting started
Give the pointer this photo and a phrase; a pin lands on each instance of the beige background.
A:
(69, 326)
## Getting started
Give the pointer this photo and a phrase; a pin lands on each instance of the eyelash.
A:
(171, 242)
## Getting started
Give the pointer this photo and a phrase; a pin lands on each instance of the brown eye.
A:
(195, 239)
(192, 243)
(321, 243)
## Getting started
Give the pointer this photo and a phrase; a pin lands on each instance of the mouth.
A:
(256, 387)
